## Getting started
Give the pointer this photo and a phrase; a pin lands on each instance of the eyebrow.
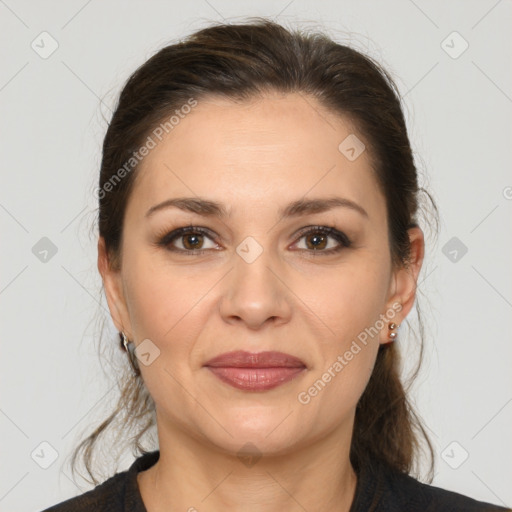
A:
(208, 208)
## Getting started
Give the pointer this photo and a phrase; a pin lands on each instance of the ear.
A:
(404, 282)
(113, 285)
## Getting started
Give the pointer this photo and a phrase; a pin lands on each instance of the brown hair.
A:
(240, 62)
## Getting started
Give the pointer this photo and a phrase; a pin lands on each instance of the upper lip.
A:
(243, 359)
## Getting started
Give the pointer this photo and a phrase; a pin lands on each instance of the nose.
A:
(255, 290)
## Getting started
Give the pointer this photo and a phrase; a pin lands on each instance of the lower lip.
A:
(255, 379)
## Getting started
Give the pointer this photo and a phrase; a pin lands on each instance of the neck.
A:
(193, 475)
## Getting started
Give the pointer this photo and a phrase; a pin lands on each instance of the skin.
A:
(255, 157)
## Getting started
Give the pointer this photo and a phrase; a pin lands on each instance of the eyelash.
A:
(339, 236)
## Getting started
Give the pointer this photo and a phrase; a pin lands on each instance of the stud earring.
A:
(392, 335)
(129, 347)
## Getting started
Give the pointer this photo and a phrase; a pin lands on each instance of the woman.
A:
(259, 248)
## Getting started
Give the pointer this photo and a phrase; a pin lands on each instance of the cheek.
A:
(345, 366)
(350, 312)
(347, 300)
(168, 308)
(162, 301)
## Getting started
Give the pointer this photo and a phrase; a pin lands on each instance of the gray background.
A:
(458, 110)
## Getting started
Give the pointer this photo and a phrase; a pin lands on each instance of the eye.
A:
(317, 240)
(190, 238)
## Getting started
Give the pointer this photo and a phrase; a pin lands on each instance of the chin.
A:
(247, 445)
(258, 430)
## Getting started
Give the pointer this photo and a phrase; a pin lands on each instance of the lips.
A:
(242, 359)
(259, 371)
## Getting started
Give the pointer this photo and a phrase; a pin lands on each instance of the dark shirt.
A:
(379, 489)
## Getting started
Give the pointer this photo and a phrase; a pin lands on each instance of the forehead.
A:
(267, 151)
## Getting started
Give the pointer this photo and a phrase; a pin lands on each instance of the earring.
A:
(129, 347)
(392, 335)
(124, 341)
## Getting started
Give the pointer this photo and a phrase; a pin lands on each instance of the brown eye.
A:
(317, 240)
(187, 240)
(192, 241)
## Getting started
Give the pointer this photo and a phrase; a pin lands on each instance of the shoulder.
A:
(119, 493)
(400, 491)
(107, 496)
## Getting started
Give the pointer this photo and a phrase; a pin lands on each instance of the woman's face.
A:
(261, 277)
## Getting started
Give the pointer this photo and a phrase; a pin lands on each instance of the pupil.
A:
(194, 243)
(317, 238)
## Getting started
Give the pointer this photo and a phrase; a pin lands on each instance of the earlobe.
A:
(112, 285)
(405, 283)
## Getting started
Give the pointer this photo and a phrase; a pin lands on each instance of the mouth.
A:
(259, 371)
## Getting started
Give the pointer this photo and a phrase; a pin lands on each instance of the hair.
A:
(241, 62)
